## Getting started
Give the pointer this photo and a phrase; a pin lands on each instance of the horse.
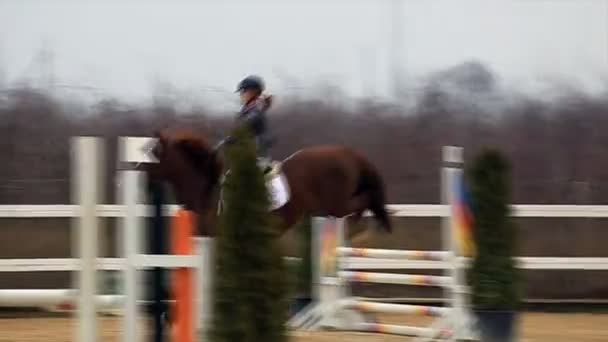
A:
(323, 180)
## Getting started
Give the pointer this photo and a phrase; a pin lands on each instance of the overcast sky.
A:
(122, 47)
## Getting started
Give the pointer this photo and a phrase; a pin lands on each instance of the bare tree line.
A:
(556, 146)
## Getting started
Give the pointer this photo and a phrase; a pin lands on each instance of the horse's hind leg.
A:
(356, 206)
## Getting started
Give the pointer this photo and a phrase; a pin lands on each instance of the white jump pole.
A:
(130, 234)
(54, 299)
(133, 235)
(85, 190)
(204, 248)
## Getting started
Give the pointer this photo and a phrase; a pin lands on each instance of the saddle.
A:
(276, 183)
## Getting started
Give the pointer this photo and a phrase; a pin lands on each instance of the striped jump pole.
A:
(418, 310)
(393, 254)
(423, 332)
(394, 278)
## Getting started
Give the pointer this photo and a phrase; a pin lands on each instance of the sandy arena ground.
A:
(535, 327)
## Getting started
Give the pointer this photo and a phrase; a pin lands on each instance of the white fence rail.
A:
(70, 211)
(397, 210)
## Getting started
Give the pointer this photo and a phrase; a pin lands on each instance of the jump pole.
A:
(132, 182)
(130, 233)
(86, 174)
(204, 249)
(86, 152)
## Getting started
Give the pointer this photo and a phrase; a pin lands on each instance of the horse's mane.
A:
(191, 138)
(198, 150)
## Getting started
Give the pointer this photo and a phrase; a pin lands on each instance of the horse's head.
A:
(189, 163)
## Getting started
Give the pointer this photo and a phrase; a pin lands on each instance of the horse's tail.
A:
(371, 182)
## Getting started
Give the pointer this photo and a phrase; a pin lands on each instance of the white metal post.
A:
(86, 152)
(130, 232)
(329, 287)
(204, 285)
(343, 287)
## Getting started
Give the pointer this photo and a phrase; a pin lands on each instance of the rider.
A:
(253, 113)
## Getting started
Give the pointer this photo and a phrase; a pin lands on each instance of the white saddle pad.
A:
(278, 188)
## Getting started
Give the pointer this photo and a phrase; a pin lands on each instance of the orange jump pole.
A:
(182, 230)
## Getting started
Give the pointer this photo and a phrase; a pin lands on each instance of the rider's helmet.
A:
(251, 82)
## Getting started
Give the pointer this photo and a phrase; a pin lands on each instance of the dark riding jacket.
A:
(253, 114)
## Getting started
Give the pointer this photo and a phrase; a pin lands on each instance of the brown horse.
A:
(328, 180)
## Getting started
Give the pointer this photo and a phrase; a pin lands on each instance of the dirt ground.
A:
(535, 327)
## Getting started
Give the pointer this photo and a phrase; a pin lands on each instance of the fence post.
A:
(130, 233)
(204, 286)
(86, 152)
